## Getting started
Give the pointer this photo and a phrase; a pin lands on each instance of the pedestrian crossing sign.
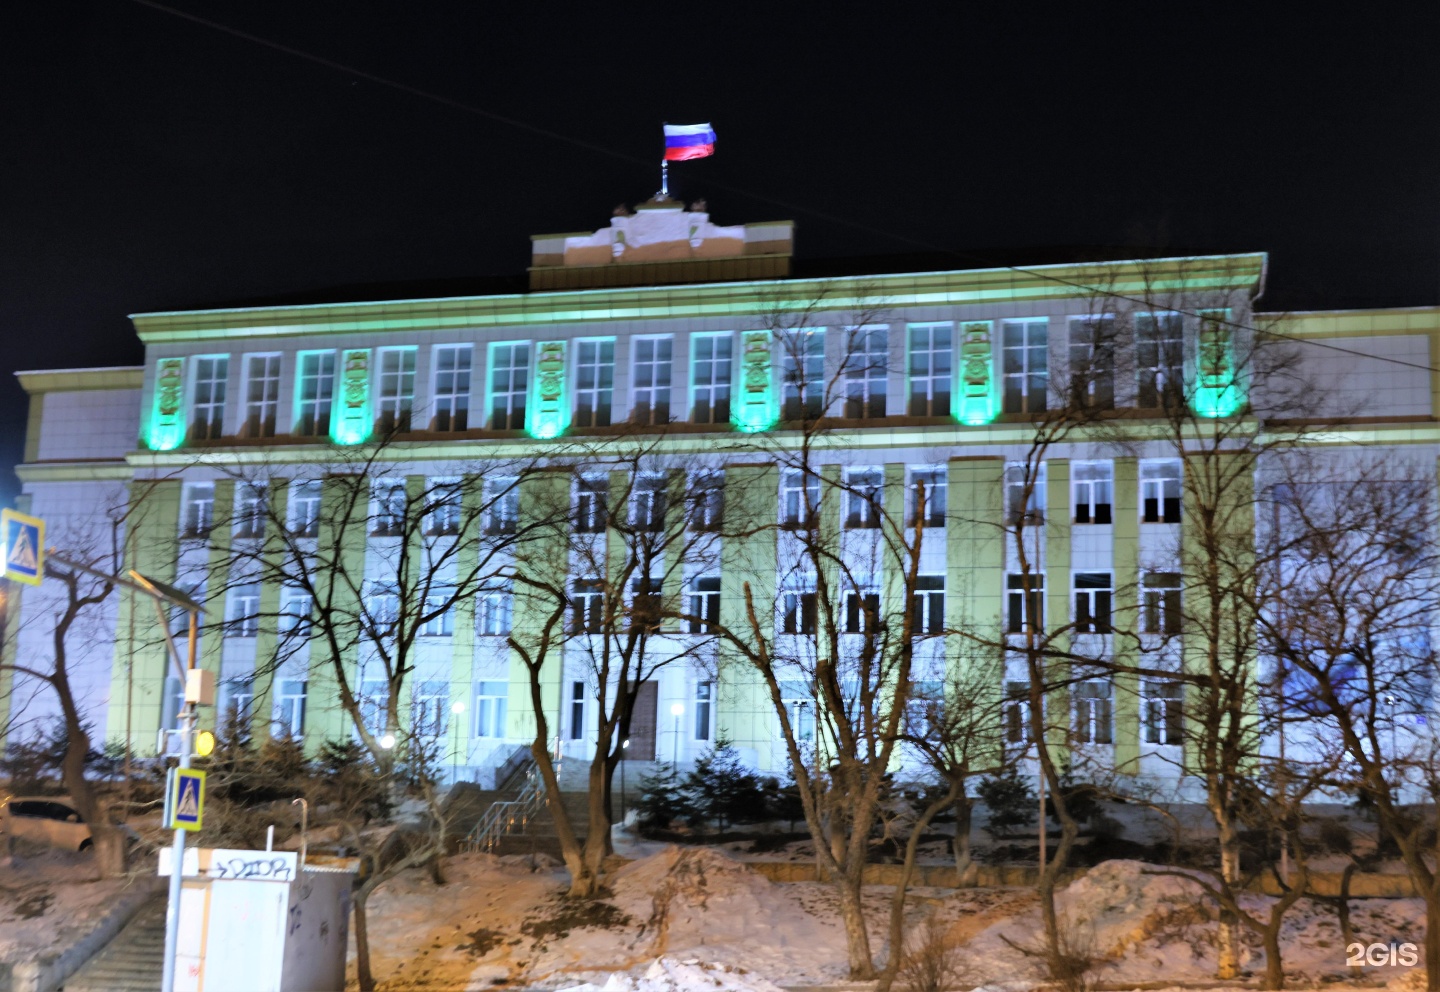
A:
(24, 538)
(185, 799)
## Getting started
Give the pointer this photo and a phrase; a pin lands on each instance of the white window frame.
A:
(1159, 477)
(492, 697)
(1093, 712)
(1015, 713)
(1162, 709)
(587, 601)
(296, 608)
(867, 372)
(860, 606)
(446, 499)
(388, 504)
(931, 369)
(1161, 376)
(211, 379)
(711, 375)
(494, 609)
(443, 623)
(799, 703)
(703, 704)
(395, 392)
(252, 502)
(1030, 607)
(1161, 605)
(500, 497)
(802, 373)
(430, 710)
(798, 607)
(579, 693)
(262, 394)
(649, 502)
(313, 412)
(197, 509)
(594, 381)
(290, 706)
(927, 605)
(242, 611)
(304, 507)
(1094, 604)
(652, 361)
(507, 384)
(1034, 511)
(704, 594)
(799, 497)
(937, 494)
(1025, 367)
(864, 497)
(1092, 492)
(1092, 361)
(450, 390)
(708, 502)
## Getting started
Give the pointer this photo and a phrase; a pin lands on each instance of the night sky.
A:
(150, 162)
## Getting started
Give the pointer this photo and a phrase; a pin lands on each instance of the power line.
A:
(774, 201)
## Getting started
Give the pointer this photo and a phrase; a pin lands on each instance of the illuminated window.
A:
(594, 382)
(710, 371)
(207, 409)
(397, 390)
(1160, 361)
(452, 387)
(802, 374)
(931, 351)
(866, 370)
(491, 699)
(314, 393)
(509, 382)
(305, 508)
(1092, 363)
(262, 394)
(650, 379)
(1093, 484)
(935, 484)
(1025, 356)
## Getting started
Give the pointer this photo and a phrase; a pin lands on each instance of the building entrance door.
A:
(642, 724)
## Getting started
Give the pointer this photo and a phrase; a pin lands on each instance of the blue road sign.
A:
(185, 806)
(24, 547)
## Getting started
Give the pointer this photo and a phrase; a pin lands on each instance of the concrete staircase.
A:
(467, 804)
(133, 961)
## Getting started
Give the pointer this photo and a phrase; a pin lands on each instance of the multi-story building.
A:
(693, 340)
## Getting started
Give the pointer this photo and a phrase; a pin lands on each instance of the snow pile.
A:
(670, 975)
(1120, 904)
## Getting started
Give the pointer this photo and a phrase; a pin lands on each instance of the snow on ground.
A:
(716, 925)
(49, 899)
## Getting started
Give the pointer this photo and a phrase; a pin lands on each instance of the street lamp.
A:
(457, 708)
(677, 710)
(388, 741)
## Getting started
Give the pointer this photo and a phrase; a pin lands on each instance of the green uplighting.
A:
(975, 401)
(351, 422)
(1217, 389)
(753, 418)
(548, 412)
(1218, 401)
(167, 417)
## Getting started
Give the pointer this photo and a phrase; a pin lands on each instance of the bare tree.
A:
(642, 525)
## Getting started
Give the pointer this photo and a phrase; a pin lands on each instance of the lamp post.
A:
(677, 710)
(624, 757)
(457, 708)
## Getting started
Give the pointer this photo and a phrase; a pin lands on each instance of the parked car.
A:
(52, 820)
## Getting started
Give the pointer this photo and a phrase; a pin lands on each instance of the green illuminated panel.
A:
(753, 409)
(350, 423)
(1218, 391)
(975, 399)
(548, 413)
(167, 419)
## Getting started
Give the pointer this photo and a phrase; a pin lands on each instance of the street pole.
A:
(624, 757)
(676, 709)
(177, 862)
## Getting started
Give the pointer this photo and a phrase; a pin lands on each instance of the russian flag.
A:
(687, 141)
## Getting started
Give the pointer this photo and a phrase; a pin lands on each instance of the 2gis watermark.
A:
(1393, 955)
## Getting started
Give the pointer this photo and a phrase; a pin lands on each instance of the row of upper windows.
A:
(439, 508)
(858, 389)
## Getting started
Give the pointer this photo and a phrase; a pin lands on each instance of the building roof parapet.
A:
(39, 381)
(744, 300)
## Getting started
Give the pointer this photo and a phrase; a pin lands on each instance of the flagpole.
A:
(664, 178)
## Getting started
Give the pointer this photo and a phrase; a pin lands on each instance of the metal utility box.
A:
(251, 922)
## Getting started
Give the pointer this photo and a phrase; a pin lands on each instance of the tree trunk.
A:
(1274, 966)
(362, 942)
(857, 937)
(1228, 939)
(896, 954)
(965, 867)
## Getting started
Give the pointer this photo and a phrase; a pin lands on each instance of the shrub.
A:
(931, 959)
(722, 789)
(662, 799)
(1010, 801)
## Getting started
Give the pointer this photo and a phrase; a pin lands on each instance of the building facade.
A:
(693, 343)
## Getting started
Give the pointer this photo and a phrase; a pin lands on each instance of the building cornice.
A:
(76, 380)
(745, 301)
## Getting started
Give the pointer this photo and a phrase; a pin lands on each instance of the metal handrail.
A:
(502, 818)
